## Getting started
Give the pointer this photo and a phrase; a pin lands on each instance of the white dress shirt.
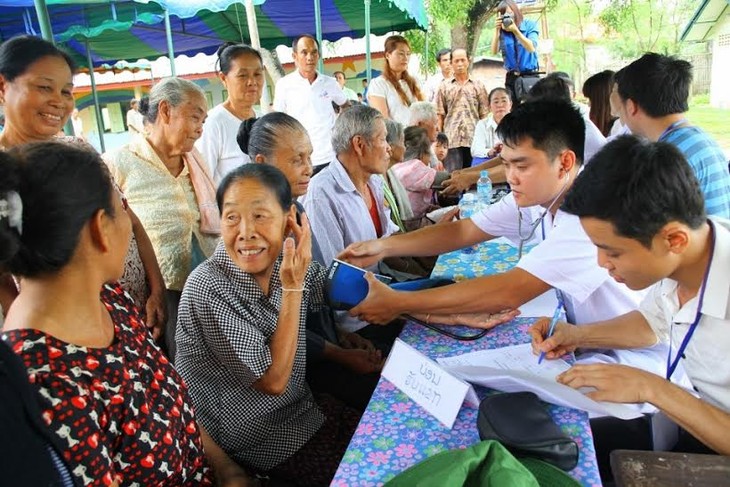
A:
(218, 143)
(311, 104)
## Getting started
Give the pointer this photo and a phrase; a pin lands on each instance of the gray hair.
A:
(395, 131)
(422, 111)
(358, 120)
(173, 90)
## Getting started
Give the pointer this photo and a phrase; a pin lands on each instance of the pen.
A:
(551, 328)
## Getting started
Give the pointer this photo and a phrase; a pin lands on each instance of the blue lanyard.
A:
(672, 365)
(672, 128)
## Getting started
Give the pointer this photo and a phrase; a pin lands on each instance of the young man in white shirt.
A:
(641, 205)
(307, 95)
(443, 57)
(541, 160)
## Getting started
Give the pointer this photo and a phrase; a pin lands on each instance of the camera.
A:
(507, 20)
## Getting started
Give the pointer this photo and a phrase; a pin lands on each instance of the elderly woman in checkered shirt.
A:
(241, 336)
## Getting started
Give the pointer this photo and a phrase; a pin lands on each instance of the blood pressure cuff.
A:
(521, 423)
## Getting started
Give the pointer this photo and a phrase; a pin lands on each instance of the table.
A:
(649, 468)
(395, 433)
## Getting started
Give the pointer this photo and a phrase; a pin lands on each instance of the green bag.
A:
(484, 464)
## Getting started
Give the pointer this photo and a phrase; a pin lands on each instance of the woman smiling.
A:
(241, 336)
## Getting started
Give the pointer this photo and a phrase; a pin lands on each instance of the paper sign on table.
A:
(515, 368)
(424, 381)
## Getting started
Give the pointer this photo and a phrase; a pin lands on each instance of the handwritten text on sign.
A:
(424, 381)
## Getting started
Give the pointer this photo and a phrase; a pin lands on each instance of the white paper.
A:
(543, 305)
(424, 381)
(515, 368)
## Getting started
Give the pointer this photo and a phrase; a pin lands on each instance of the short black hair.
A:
(334, 75)
(230, 50)
(551, 86)
(552, 125)
(18, 53)
(658, 84)
(638, 186)
(269, 176)
(303, 36)
(442, 52)
(61, 187)
(442, 139)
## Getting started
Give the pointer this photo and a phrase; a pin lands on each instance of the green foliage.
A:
(417, 40)
(450, 11)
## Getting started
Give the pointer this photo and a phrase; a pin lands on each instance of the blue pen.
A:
(553, 322)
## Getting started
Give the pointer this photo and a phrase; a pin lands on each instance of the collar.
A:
(305, 80)
(453, 80)
(140, 147)
(717, 291)
(490, 122)
(342, 179)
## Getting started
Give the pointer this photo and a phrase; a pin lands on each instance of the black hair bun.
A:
(244, 134)
(144, 105)
(223, 47)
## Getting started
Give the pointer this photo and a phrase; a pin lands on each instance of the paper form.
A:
(515, 368)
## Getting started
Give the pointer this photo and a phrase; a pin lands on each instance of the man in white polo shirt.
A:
(543, 151)
(308, 95)
(642, 206)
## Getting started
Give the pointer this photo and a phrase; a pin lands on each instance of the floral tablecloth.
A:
(396, 433)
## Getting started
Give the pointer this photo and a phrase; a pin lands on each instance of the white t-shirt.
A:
(311, 104)
(432, 86)
(566, 259)
(594, 140)
(218, 143)
(706, 356)
(485, 137)
(396, 109)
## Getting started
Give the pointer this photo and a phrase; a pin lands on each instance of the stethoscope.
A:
(539, 221)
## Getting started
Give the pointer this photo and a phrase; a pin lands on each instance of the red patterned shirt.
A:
(121, 410)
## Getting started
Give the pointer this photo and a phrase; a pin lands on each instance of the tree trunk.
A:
(466, 35)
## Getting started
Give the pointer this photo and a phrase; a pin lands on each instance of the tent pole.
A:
(43, 20)
(170, 49)
(318, 28)
(253, 32)
(368, 60)
(97, 107)
(426, 71)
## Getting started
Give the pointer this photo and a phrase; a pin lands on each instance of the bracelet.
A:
(294, 289)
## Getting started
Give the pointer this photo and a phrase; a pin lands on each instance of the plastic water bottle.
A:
(468, 205)
(484, 189)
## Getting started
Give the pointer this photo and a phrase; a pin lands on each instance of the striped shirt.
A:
(708, 163)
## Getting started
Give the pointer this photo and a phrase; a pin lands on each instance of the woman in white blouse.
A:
(393, 92)
(485, 144)
(242, 73)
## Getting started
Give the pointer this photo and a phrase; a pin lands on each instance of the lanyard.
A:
(672, 364)
(672, 128)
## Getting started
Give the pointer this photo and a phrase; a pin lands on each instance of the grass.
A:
(714, 121)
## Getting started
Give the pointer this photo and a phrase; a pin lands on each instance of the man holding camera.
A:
(516, 37)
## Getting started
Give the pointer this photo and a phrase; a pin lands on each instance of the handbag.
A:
(521, 423)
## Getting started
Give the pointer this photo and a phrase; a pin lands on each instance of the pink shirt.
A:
(417, 178)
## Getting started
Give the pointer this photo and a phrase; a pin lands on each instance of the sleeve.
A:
(483, 98)
(338, 96)
(227, 325)
(566, 260)
(415, 175)
(378, 87)
(440, 100)
(501, 219)
(73, 414)
(532, 33)
(324, 221)
(209, 145)
(654, 313)
(279, 96)
(479, 142)
(594, 140)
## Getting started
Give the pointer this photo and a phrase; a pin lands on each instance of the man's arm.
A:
(627, 331)
(427, 241)
(488, 294)
(623, 384)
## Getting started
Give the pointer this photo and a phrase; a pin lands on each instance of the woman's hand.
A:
(297, 253)
(156, 313)
(349, 340)
(484, 321)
